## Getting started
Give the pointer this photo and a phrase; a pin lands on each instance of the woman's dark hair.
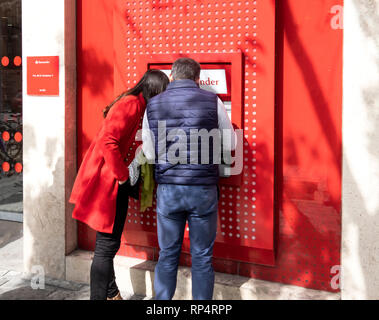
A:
(152, 83)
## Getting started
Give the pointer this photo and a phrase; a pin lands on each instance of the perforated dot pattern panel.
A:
(204, 27)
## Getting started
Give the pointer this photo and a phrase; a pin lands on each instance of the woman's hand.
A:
(122, 182)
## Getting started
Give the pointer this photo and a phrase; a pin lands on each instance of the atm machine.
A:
(221, 74)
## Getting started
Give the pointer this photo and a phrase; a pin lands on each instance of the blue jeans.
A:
(175, 205)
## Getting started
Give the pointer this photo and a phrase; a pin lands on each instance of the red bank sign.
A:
(211, 79)
(43, 76)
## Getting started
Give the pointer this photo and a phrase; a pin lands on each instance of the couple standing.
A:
(186, 191)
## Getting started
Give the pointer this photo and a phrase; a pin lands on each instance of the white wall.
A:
(47, 138)
(360, 197)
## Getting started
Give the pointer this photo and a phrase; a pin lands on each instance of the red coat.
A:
(105, 163)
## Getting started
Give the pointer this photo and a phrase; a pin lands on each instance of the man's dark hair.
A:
(185, 68)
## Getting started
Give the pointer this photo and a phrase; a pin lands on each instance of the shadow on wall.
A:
(302, 203)
(43, 170)
(359, 208)
(95, 85)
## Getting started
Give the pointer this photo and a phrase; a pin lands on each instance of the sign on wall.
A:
(43, 76)
(213, 80)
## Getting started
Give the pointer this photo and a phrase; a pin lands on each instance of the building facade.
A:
(303, 212)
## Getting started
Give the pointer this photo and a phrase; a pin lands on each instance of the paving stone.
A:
(3, 280)
(26, 293)
(63, 284)
(83, 294)
(17, 286)
(60, 294)
(3, 272)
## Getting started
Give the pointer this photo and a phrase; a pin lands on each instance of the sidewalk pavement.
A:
(15, 285)
(135, 275)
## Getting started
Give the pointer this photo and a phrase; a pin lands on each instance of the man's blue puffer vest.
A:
(183, 106)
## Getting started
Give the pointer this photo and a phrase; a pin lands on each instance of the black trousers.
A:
(102, 278)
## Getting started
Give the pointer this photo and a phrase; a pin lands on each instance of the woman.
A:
(101, 189)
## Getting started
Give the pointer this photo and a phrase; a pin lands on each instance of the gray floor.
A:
(13, 284)
(11, 193)
(11, 246)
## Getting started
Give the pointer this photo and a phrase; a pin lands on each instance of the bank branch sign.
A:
(211, 79)
(43, 76)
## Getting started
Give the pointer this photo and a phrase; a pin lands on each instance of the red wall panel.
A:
(94, 78)
(308, 98)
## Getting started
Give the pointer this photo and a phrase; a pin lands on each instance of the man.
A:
(187, 185)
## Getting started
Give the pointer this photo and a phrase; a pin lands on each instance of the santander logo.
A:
(209, 82)
(213, 80)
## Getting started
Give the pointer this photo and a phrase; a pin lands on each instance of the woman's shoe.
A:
(116, 297)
